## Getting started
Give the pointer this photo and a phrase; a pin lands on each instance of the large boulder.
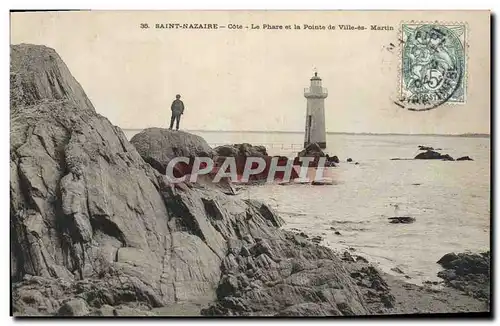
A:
(241, 150)
(227, 151)
(468, 272)
(241, 153)
(158, 146)
(91, 220)
(432, 155)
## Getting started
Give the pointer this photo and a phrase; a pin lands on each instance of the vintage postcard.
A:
(250, 163)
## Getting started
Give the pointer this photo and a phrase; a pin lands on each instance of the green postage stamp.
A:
(433, 69)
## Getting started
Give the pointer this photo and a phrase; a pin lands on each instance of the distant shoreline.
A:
(467, 135)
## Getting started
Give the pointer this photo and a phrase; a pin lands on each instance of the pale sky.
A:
(254, 79)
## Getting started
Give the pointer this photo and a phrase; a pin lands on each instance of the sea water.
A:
(450, 201)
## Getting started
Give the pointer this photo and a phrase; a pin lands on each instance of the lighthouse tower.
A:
(315, 117)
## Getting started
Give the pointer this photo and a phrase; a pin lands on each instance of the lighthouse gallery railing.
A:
(311, 91)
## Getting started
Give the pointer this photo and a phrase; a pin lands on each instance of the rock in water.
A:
(227, 150)
(322, 182)
(241, 150)
(402, 219)
(447, 260)
(468, 272)
(432, 155)
(334, 159)
(241, 153)
(464, 158)
(311, 150)
(91, 220)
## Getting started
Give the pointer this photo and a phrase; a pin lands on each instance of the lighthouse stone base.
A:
(321, 145)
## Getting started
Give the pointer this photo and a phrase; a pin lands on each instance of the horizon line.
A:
(470, 134)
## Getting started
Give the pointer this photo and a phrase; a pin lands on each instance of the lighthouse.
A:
(315, 116)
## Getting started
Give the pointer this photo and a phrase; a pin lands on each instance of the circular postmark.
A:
(433, 64)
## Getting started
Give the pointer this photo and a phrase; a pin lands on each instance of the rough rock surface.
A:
(311, 150)
(287, 275)
(241, 153)
(374, 288)
(38, 74)
(243, 150)
(314, 150)
(84, 204)
(468, 272)
(333, 159)
(95, 230)
(432, 155)
(158, 146)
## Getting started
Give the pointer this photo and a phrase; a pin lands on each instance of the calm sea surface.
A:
(450, 200)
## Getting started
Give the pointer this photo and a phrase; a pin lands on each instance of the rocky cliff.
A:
(37, 74)
(95, 230)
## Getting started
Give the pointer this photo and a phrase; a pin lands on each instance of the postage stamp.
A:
(433, 67)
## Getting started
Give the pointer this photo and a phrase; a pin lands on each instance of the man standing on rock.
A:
(177, 108)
